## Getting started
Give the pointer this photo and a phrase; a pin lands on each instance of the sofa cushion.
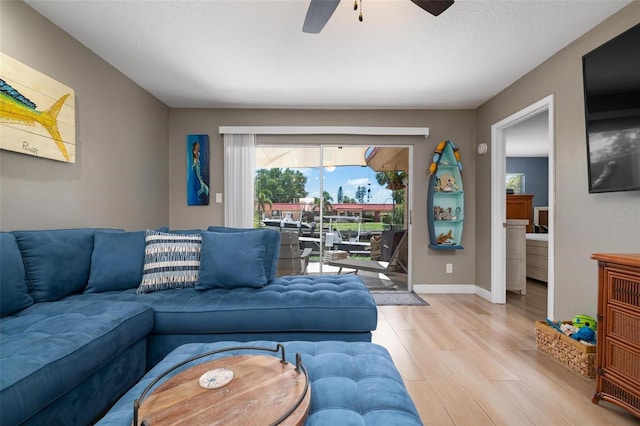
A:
(351, 383)
(49, 348)
(272, 247)
(57, 261)
(302, 303)
(14, 294)
(117, 261)
(170, 261)
(244, 269)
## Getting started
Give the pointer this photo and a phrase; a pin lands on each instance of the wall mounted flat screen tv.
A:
(611, 77)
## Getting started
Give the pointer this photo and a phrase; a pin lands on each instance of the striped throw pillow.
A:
(170, 261)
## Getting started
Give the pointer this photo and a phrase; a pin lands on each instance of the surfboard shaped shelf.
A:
(445, 199)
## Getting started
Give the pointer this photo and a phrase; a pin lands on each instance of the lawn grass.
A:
(366, 226)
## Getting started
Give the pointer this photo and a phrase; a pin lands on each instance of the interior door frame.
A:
(498, 200)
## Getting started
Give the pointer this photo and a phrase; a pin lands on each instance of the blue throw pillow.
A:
(117, 261)
(271, 248)
(57, 261)
(230, 260)
(14, 294)
(170, 261)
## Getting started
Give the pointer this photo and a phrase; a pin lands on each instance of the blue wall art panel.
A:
(198, 170)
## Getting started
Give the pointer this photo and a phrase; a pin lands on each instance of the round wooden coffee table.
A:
(264, 389)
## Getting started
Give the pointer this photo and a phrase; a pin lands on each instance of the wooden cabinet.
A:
(520, 206)
(538, 256)
(618, 348)
(516, 255)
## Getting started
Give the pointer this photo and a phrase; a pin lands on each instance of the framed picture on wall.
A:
(37, 113)
(198, 170)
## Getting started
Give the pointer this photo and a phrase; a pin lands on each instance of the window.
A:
(515, 181)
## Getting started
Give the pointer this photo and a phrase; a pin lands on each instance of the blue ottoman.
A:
(352, 383)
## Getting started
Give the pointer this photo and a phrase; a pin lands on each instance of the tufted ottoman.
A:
(352, 383)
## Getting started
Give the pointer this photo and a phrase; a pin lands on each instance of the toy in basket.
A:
(578, 356)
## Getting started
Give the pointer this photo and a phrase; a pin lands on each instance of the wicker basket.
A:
(577, 356)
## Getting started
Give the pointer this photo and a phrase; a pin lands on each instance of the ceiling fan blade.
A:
(434, 7)
(318, 14)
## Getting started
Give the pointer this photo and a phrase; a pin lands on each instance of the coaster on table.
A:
(214, 379)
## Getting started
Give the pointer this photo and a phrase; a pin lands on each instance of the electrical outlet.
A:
(449, 268)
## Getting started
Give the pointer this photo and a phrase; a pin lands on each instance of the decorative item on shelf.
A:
(437, 157)
(445, 238)
(440, 213)
(447, 183)
(445, 201)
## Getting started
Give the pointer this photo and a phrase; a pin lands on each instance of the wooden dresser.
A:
(538, 256)
(618, 347)
(520, 206)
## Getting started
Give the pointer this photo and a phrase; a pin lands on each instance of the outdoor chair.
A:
(395, 263)
(292, 260)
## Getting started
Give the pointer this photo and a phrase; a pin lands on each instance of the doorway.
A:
(239, 159)
(342, 201)
(498, 200)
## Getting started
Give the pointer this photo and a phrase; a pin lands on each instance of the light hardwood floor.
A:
(466, 361)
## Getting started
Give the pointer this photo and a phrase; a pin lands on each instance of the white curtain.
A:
(239, 172)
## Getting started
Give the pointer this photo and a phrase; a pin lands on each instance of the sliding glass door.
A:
(340, 202)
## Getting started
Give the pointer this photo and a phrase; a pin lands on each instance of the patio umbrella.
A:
(302, 156)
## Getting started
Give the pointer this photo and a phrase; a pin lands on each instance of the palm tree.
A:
(326, 205)
(263, 198)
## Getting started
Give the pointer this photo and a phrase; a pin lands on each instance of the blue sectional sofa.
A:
(84, 315)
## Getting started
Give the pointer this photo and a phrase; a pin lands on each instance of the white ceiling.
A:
(245, 53)
(529, 138)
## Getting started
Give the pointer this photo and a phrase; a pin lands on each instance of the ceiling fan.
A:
(320, 11)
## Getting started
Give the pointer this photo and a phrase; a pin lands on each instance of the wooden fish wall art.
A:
(37, 113)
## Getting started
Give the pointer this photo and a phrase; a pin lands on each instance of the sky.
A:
(349, 177)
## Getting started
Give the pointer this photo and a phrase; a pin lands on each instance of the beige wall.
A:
(121, 175)
(585, 223)
(458, 125)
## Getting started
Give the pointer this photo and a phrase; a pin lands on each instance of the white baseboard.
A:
(444, 288)
(485, 294)
(452, 289)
